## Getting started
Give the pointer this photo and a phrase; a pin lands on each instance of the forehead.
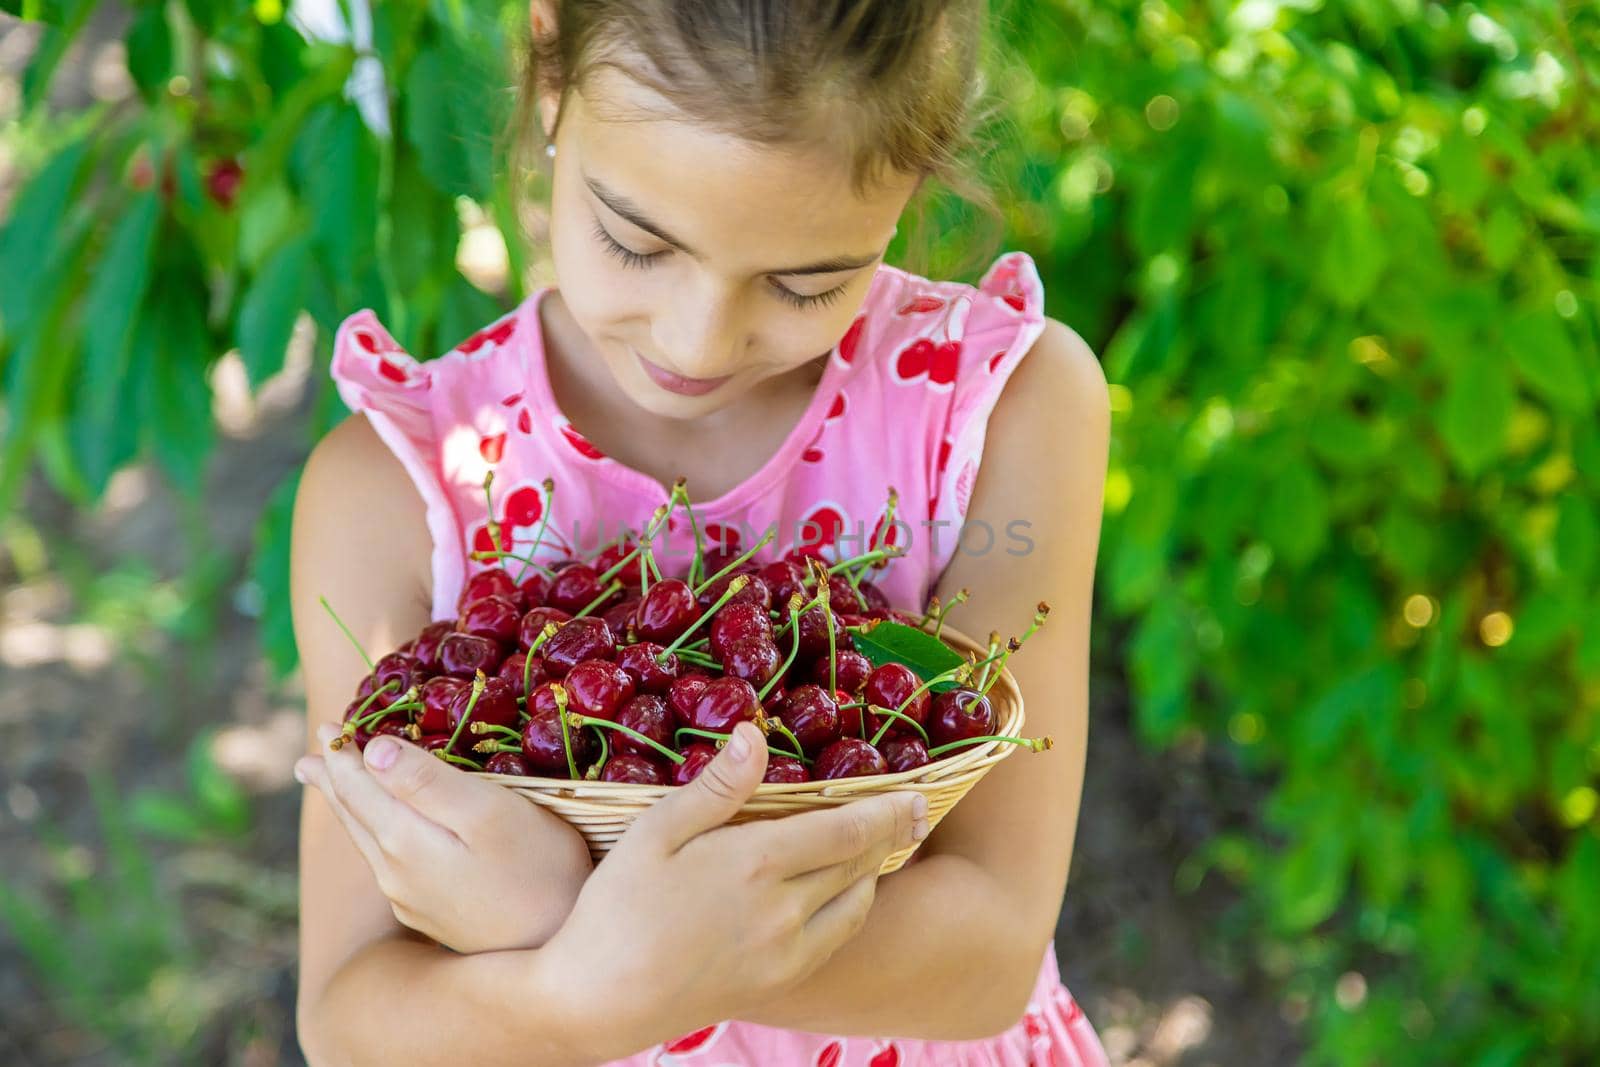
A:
(726, 196)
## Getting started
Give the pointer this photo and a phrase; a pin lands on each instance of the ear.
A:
(542, 23)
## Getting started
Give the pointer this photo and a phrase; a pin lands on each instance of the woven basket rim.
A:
(978, 757)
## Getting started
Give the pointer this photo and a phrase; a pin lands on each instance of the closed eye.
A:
(641, 260)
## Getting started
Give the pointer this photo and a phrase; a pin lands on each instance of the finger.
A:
(315, 774)
(398, 829)
(838, 920)
(713, 797)
(414, 776)
(815, 840)
(816, 888)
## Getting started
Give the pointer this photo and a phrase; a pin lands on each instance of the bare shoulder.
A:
(361, 540)
(1060, 376)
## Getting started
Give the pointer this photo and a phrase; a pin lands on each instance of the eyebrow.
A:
(630, 211)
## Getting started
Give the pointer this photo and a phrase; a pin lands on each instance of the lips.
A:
(677, 383)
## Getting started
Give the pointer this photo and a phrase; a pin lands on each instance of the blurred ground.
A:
(126, 632)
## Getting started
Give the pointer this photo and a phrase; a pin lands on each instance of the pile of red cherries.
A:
(607, 670)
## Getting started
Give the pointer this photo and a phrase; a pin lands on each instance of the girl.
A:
(725, 178)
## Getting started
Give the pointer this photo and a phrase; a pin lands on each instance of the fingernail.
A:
(919, 807)
(919, 829)
(300, 772)
(381, 753)
(739, 743)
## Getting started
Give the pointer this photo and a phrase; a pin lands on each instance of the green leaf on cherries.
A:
(895, 642)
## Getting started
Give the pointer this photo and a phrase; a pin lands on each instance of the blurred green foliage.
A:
(1340, 262)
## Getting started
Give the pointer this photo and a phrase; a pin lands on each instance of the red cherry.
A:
(436, 695)
(426, 645)
(222, 182)
(850, 670)
(573, 588)
(496, 705)
(535, 587)
(619, 616)
(755, 659)
(508, 763)
(495, 581)
(579, 639)
(904, 753)
(848, 757)
(650, 716)
(666, 611)
(890, 686)
(842, 596)
(541, 736)
(598, 688)
(812, 716)
(814, 626)
(648, 675)
(352, 712)
(495, 617)
(736, 621)
(785, 578)
(876, 600)
(755, 592)
(631, 767)
(438, 742)
(631, 573)
(785, 769)
(723, 703)
(959, 714)
(463, 655)
(533, 624)
(683, 693)
(695, 758)
(515, 668)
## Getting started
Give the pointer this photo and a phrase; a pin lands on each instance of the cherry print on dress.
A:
(994, 360)
(964, 486)
(819, 531)
(580, 444)
(830, 1055)
(524, 422)
(722, 536)
(392, 371)
(925, 358)
(852, 338)
(888, 1056)
(492, 447)
(812, 454)
(495, 335)
(695, 1041)
(1003, 282)
(839, 407)
(920, 304)
(511, 401)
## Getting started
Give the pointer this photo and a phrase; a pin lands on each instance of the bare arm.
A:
(952, 945)
(370, 990)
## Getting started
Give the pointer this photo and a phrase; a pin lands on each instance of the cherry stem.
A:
(478, 683)
(743, 558)
(545, 634)
(735, 587)
(538, 535)
(799, 753)
(1035, 744)
(527, 668)
(488, 497)
(647, 545)
(988, 660)
(794, 648)
(527, 561)
(593, 773)
(492, 745)
(607, 724)
(864, 560)
(559, 691)
(616, 568)
(698, 659)
(959, 598)
(451, 757)
(604, 596)
(722, 739)
(890, 715)
(1039, 615)
(680, 494)
(481, 728)
(347, 633)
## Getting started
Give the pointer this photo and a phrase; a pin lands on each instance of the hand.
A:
(463, 861)
(688, 921)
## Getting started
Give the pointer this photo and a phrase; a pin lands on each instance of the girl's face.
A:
(699, 264)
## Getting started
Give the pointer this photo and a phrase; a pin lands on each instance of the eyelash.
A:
(639, 261)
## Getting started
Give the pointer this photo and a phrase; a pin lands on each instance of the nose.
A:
(700, 334)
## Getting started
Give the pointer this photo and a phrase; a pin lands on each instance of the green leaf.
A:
(1312, 878)
(1294, 517)
(338, 159)
(894, 642)
(1354, 253)
(1577, 538)
(102, 438)
(149, 50)
(1545, 357)
(1476, 413)
(36, 218)
(273, 303)
(176, 408)
(451, 116)
(269, 570)
(265, 219)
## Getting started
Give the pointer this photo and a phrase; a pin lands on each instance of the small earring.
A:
(550, 150)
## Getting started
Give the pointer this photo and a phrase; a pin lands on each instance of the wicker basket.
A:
(602, 811)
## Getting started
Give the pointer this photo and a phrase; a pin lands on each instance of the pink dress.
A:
(926, 358)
